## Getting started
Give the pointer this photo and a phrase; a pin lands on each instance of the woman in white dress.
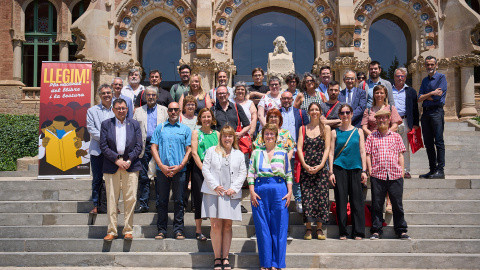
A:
(224, 172)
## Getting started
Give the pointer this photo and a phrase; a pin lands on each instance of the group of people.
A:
(303, 140)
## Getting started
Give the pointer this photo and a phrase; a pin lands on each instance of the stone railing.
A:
(30, 94)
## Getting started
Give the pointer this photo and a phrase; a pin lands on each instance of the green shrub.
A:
(18, 138)
(477, 119)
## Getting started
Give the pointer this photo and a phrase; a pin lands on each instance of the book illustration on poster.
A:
(61, 153)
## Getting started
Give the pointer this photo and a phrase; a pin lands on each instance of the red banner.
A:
(65, 93)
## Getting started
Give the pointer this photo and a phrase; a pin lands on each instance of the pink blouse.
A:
(371, 122)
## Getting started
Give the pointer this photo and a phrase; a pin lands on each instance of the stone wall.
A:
(11, 99)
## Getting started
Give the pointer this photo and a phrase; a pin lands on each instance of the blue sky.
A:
(253, 42)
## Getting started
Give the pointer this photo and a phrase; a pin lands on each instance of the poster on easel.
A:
(63, 140)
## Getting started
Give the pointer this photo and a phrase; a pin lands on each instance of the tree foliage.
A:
(18, 138)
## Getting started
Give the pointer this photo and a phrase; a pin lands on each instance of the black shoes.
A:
(433, 175)
(426, 176)
(141, 210)
(438, 175)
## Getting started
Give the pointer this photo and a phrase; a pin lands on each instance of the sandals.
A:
(308, 237)
(343, 237)
(160, 236)
(217, 266)
(201, 237)
(321, 235)
(179, 236)
(226, 266)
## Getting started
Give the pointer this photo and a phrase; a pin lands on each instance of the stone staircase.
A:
(45, 223)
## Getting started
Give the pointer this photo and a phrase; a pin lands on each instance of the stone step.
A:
(239, 231)
(448, 246)
(85, 195)
(14, 219)
(241, 260)
(410, 206)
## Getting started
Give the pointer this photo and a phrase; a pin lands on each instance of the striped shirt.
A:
(261, 167)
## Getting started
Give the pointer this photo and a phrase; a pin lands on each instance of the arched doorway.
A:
(390, 41)
(160, 49)
(254, 35)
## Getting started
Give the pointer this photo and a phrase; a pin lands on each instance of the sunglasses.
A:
(344, 113)
(310, 81)
(173, 109)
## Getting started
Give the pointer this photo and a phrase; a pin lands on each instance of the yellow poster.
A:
(61, 153)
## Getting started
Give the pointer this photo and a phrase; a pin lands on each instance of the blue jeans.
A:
(433, 122)
(162, 187)
(96, 163)
(143, 180)
(297, 192)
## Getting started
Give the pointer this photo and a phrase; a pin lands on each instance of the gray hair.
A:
(151, 88)
(348, 71)
(239, 84)
(133, 70)
(105, 85)
(275, 79)
(117, 78)
(402, 69)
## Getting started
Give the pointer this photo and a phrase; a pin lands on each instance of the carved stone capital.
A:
(108, 67)
(443, 63)
(202, 64)
(318, 63)
(17, 35)
(467, 60)
(64, 37)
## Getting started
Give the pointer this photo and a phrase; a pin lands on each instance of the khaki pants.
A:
(403, 130)
(128, 183)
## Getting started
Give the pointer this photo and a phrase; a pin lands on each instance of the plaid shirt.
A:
(384, 151)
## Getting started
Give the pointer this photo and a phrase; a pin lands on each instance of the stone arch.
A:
(417, 17)
(318, 14)
(133, 15)
(24, 8)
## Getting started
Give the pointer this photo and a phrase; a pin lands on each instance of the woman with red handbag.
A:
(313, 150)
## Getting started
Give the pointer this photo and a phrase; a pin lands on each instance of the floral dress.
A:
(284, 140)
(314, 186)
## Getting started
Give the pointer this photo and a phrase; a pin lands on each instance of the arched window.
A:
(41, 44)
(77, 11)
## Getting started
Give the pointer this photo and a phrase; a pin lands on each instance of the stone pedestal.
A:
(280, 61)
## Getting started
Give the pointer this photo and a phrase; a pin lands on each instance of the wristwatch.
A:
(129, 162)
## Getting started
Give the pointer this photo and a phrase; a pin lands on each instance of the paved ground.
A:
(139, 268)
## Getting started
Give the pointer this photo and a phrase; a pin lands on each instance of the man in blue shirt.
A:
(432, 93)
(325, 77)
(117, 85)
(149, 116)
(171, 150)
(407, 106)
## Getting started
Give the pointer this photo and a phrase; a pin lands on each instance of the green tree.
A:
(390, 74)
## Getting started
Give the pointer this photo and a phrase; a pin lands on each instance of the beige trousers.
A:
(128, 183)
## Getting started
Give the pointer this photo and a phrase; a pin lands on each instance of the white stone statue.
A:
(280, 61)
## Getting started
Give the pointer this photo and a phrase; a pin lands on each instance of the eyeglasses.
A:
(105, 93)
(173, 109)
(190, 105)
(185, 72)
(273, 117)
(274, 85)
(310, 81)
(257, 75)
(151, 95)
(349, 79)
(121, 109)
(221, 94)
(344, 113)
(382, 117)
(292, 82)
(286, 98)
(400, 76)
(361, 78)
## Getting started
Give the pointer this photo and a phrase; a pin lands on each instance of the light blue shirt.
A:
(289, 122)
(323, 88)
(349, 96)
(172, 141)
(371, 85)
(400, 96)
(151, 121)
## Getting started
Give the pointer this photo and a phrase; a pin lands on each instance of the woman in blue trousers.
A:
(268, 172)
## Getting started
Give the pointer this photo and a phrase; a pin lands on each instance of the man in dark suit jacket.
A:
(292, 121)
(121, 144)
(407, 107)
(354, 97)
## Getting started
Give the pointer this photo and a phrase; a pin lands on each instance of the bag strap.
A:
(345, 145)
(236, 109)
(301, 117)
(175, 87)
(331, 109)
(141, 96)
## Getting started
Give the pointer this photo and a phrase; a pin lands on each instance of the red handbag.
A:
(415, 139)
(244, 142)
(297, 166)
